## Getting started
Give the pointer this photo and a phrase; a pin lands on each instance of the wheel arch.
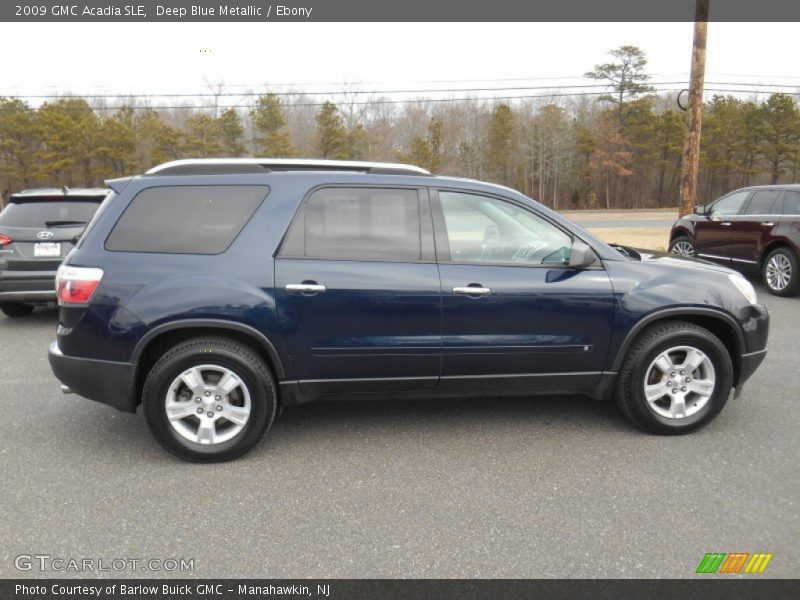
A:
(678, 231)
(772, 246)
(719, 323)
(159, 339)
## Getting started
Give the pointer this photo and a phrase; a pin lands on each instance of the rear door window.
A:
(761, 202)
(357, 224)
(41, 214)
(186, 219)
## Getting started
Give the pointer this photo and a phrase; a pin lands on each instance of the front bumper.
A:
(104, 381)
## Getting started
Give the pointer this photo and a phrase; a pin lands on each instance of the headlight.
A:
(744, 286)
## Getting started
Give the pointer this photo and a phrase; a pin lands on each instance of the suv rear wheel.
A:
(16, 309)
(780, 272)
(209, 400)
(675, 378)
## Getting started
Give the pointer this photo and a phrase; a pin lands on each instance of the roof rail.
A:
(232, 166)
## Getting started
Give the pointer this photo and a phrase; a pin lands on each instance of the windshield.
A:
(48, 213)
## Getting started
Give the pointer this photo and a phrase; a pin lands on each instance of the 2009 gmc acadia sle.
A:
(212, 290)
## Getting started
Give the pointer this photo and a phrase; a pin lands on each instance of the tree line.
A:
(622, 149)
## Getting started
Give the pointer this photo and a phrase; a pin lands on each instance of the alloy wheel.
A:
(683, 247)
(679, 382)
(208, 404)
(778, 272)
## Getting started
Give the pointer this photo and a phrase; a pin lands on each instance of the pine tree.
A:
(201, 138)
(231, 133)
(331, 136)
(271, 139)
(500, 154)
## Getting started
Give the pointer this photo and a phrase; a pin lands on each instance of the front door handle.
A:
(472, 290)
(767, 224)
(726, 224)
(305, 288)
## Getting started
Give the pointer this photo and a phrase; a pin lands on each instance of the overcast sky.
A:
(149, 58)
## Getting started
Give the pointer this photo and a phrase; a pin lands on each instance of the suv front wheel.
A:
(675, 378)
(209, 399)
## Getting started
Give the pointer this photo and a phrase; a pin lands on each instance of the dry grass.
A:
(648, 238)
(620, 215)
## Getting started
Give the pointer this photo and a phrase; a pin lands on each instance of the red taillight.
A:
(4, 240)
(75, 285)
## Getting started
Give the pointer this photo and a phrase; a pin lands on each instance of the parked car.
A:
(753, 229)
(211, 291)
(37, 229)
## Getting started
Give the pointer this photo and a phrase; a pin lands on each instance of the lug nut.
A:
(197, 399)
(688, 379)
(199, 411)
(682, 372)
(683, 389)
(219, 408)
(672, 375)
(210, 415)
(674, 391)
(208, 393)
(218, 398)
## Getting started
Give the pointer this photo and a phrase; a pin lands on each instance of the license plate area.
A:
(47, 249)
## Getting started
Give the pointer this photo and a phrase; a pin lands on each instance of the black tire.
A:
(222, 352)
(16, 309)
(644, 350)
(677, 242)
(788, 258)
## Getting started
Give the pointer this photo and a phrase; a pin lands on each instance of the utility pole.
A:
(691, 148)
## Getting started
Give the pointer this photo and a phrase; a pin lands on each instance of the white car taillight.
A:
(75, 285)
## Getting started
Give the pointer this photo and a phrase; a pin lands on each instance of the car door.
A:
(751, 230)
(713, 229)
(514, 314)
(358, 291)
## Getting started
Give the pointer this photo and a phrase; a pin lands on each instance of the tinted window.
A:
(358, 224)
(791, 203)
(201, 219)
(730, 205)
(483, 229)
(761, 202)
(48, 213)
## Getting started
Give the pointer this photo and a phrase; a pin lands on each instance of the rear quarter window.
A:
(202, 219)
(791, 203)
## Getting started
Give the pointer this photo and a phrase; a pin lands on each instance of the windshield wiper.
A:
(63, 223)
(627, 251)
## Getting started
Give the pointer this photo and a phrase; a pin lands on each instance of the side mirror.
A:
(581, 255)
(700, 209)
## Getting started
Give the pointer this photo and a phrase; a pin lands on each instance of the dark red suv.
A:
(755, 228)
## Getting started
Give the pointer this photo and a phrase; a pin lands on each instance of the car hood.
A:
(680, 262)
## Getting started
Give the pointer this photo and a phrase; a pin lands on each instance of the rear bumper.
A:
(34, 287)
(104, 381)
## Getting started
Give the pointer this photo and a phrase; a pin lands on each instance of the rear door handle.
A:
(726, 224)
(472, 290)
(305, 288)
(767, 224)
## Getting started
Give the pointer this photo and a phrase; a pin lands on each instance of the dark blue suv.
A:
(213, 291)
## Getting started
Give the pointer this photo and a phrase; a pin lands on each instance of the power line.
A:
(374, 102)
(374, 92)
